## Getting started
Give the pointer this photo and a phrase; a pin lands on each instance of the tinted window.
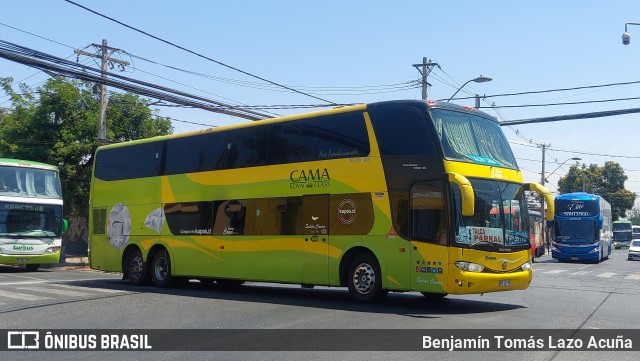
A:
(134, 161)
(427, 213)
(234, 217)
(402, 131)
(351, 213)
(193, 154)
(327, 137)
(189, 218)
(278, 216)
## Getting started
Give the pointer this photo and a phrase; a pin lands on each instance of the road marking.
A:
(633, 277)
(54, 291)
(22, 296)
(81, 288)
(579, 273)
(556, 271)
(607, 274)
(53, 281)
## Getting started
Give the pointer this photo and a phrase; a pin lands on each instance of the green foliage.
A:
(607, 181)
(57, 124)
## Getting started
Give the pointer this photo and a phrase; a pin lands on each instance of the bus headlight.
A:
(469, 267)
(52, 250)
(526, 266)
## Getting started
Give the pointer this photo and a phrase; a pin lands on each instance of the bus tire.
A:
(161, 269)
(137, 270)
(32, 267)
(364, 279)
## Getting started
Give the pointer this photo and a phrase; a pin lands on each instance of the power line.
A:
(30, 57)
(37, 36)
(559, 89)
(566, 103)
(606, 113)
(197, 54)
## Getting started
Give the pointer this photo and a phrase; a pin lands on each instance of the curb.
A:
(74, 262)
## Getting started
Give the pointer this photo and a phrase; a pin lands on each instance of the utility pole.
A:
(105, 57)
(424, 69)
(544, 148)
(542, 210)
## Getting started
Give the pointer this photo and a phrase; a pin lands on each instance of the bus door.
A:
(428, 234)
(315, 230)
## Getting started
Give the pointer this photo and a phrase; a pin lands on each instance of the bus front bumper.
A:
(20, 259)
(465, 282)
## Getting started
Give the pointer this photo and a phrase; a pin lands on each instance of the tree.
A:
(607, 181)
(57, 124)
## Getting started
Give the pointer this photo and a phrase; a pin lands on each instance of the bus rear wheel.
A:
(364, 279)
(161, 269)
(136, 270)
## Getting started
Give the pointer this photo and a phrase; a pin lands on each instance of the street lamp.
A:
(480, 79)
(544, 178)
(626, 36)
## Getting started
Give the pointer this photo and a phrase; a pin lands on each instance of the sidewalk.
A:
(71, 262)
(78, 261)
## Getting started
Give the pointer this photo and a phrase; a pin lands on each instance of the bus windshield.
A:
(570, 231)
(30, 220)
(621, 226)
(29, 182)
(472, 138)
(499, 219)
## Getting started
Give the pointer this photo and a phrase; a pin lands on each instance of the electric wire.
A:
(198, 54)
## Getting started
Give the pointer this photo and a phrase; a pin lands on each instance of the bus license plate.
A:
(574, 258)
(504, 283)
(21, 260)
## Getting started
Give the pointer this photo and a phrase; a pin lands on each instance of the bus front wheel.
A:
(364, 279)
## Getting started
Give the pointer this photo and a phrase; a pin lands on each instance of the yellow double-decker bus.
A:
(390, 196)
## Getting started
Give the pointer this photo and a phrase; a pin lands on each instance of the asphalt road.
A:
(562, 296)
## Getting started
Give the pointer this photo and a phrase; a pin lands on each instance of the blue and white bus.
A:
(581, 228)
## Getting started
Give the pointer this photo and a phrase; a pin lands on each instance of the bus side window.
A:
(234, 217)
(427, 213)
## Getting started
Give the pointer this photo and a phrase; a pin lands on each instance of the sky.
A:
(363, 51)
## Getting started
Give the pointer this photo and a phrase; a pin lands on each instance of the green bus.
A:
(31, 223)
(622, 233)
(375, 197)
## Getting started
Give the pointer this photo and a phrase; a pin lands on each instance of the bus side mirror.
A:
(600, 222)
(548, 198)
(65, 226)
(466, 192)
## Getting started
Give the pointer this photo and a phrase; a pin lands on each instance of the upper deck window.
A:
(29, 182)
(472, 138)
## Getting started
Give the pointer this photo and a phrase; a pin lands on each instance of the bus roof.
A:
(25, 164)
(337, 110)
(580, 196)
